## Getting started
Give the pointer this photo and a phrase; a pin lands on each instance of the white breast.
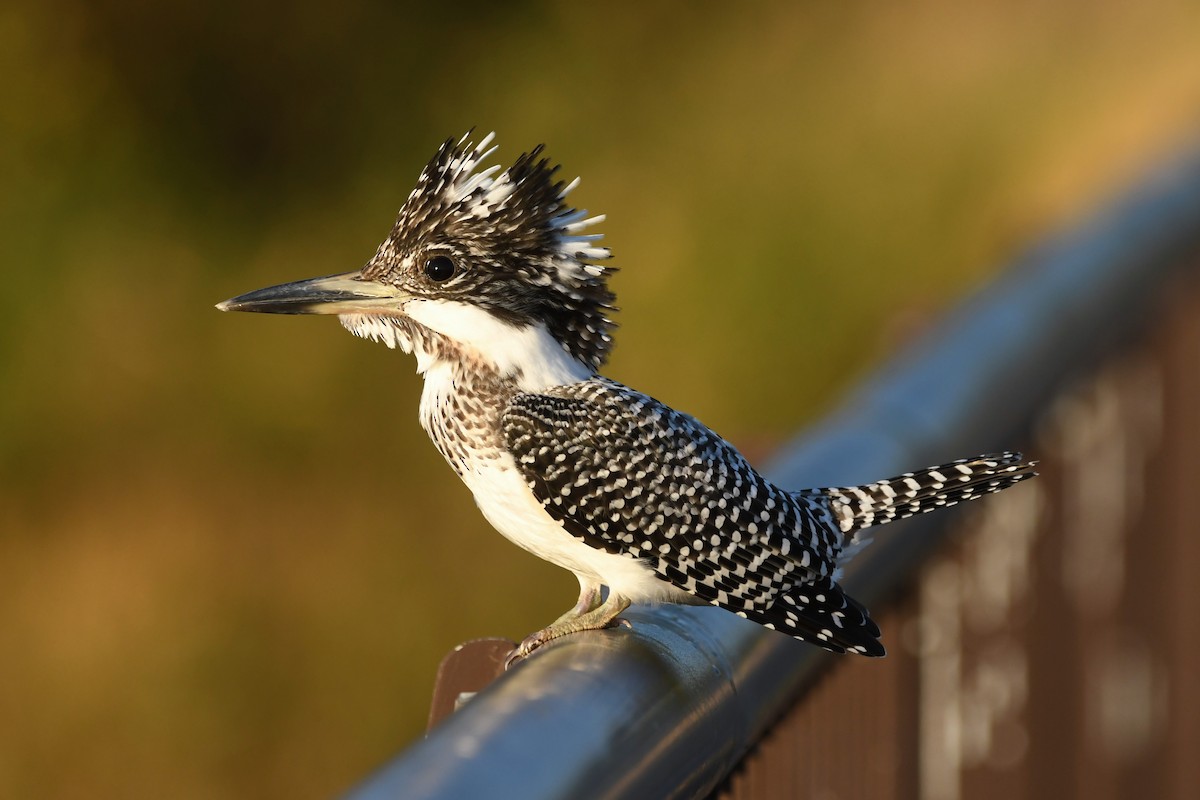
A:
(509, 505)
(533, 361)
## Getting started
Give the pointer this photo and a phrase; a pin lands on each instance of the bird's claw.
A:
(515, 656)
(522, 651)
(535, 640)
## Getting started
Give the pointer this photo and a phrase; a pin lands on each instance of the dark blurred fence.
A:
(1051, 647)
(1043, 643)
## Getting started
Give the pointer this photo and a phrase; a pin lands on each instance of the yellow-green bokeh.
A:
(229, 560)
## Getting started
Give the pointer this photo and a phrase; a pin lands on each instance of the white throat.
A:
(528, 354)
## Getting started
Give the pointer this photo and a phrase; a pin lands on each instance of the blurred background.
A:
(229, 559)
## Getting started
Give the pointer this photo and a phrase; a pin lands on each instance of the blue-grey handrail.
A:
(667, 709)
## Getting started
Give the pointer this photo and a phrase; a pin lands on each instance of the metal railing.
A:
(670, 707)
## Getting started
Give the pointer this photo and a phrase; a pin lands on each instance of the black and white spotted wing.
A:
(629, 475)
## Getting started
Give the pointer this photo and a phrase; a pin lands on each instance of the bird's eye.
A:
(440, 269)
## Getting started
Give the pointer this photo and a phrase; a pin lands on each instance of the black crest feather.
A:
(528, 259)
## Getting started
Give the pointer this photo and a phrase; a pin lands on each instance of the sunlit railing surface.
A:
(1043, 644)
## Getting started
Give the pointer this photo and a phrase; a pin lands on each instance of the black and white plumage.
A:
(490, 279)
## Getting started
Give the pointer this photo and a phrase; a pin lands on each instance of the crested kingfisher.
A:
(495, 283)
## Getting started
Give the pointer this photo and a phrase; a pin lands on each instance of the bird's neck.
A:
(471, 339)
(468, 385)
(461, 407)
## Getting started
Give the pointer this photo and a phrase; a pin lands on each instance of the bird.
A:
(497, 285)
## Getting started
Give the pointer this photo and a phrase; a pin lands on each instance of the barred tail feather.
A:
(820, 612)
(858, 507)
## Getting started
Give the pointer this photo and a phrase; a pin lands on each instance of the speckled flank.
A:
(627, 474)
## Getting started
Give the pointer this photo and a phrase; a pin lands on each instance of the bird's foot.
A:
(605, 615)
(589, 600)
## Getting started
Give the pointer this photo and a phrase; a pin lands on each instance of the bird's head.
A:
(497, 265)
